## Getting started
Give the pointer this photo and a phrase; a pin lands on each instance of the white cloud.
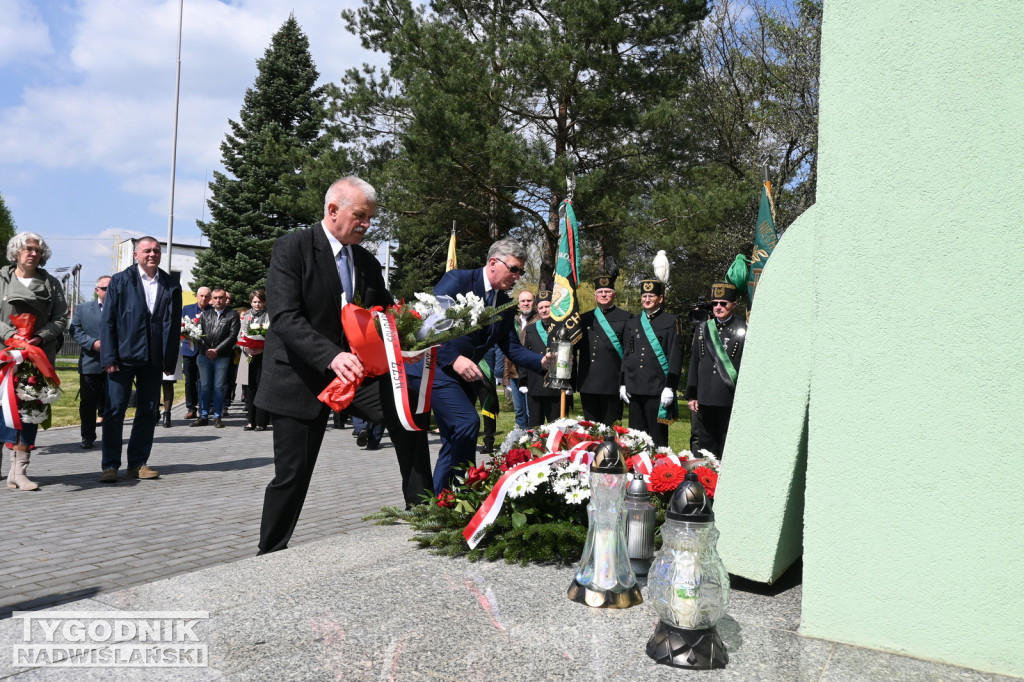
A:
(23, 34)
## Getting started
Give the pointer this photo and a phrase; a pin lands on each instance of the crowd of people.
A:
(283, 350)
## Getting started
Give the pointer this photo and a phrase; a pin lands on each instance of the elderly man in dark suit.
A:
(139, 343)
(85, 329)
(457, 371)
(310, 271)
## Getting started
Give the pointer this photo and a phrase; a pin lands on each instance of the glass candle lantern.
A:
(688, 584)
(604, 577)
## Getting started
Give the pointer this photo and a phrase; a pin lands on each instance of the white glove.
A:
(623, 395)
(667, 397)
(568, 392)
(522, 389)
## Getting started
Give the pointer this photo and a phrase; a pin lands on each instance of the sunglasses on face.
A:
(511, 268)
(721, 304)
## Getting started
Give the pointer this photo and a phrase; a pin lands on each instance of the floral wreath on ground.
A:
(542, 476)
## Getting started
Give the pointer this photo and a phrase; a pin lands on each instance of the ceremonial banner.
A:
(765, 238)
(451, 264)
(565, 309)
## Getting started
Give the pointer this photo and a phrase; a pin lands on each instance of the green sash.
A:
(721, 358)
(543, 333)
(668, 414)
(607, 328)
(489, 404)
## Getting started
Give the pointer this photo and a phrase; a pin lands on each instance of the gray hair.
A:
(101, 278)
(335, 193)
(20, 240)
(507, 248)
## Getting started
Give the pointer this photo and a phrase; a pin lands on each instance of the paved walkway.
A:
(76, 537)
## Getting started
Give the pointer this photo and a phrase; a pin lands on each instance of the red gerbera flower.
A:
(621, 430)
(707, 478)
(666, 477)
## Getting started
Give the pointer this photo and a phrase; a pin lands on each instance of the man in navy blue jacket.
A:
(455, 391)
(190, 350)
(139, 342)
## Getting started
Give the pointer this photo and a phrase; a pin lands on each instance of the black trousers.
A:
(643, 416)
(297, 444)
(191, 373)
(544, 409)
(713, 427)
(93, 389)
(256, 416)
(604, 409)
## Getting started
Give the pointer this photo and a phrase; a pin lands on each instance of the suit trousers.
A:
(544, 409)
(94, 397)
(643, 416)
(713, 427)
(600, 408)
(454, 404)
(191, 372)
(147, 400)
(297, 445)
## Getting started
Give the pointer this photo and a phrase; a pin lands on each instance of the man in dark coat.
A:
(714, 364)
(139, 343)
(544, 404)
(86, 327)
(651, 365)
(310, 272)
(600, 355)
(457, 370)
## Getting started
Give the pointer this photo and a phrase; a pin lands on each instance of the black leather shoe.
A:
(362, 438)
(87, 443)
(218, 424)
(166, 420)
(247, 427)
(202, 421)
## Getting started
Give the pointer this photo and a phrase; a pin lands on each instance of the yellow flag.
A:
(451, 265)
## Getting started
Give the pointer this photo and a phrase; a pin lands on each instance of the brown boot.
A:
(17, 478)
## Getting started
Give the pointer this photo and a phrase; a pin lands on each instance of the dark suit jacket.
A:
(85, 328)
(134, 337)
(703, 383)
(305, 334)
(501, 334)
(641, 371)
(599, 364)
(534, 380)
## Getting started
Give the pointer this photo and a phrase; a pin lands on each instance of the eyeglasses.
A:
(721, 304)
(511, 268)
(101, 288)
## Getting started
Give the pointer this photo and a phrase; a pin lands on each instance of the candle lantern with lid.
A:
(688, 584)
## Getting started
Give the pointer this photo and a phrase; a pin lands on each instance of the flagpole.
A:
(174, 143)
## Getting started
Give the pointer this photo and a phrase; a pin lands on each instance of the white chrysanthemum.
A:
(30, 416)
(540, 474)
(520, 486)
(561, 485)
(577, 495)
(427, 299)
(50, 395)
(26, 392)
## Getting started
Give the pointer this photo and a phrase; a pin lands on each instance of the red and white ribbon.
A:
(396, 371)
(9, 361)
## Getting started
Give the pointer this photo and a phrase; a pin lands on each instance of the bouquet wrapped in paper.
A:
(385, 339)
(254, 337)
(191, 331)
(28, 382)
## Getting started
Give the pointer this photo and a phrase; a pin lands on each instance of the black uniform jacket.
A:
(599, 365)
(641, 371)
(703, 382)
(535, 380)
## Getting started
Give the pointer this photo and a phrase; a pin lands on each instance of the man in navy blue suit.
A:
(454, 383)
(86, 328)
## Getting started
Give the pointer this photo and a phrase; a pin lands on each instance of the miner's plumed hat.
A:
(604, 282)
(722, 291)
(652, 286)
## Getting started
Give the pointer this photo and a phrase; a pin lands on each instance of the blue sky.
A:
(87, 109)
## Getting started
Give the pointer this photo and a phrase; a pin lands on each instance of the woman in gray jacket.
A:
(25, 287)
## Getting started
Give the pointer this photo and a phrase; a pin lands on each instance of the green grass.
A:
(65, 410)
(678, 433)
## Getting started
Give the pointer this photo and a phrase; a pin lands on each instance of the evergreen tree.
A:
(7, 230)
(274, 157)
(492, 104)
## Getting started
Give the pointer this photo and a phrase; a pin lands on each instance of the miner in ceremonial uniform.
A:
(543, 404)
(600, 355)
(651, 364)
(714, 364)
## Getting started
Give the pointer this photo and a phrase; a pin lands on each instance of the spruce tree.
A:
(7, 229)
(264, 193)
